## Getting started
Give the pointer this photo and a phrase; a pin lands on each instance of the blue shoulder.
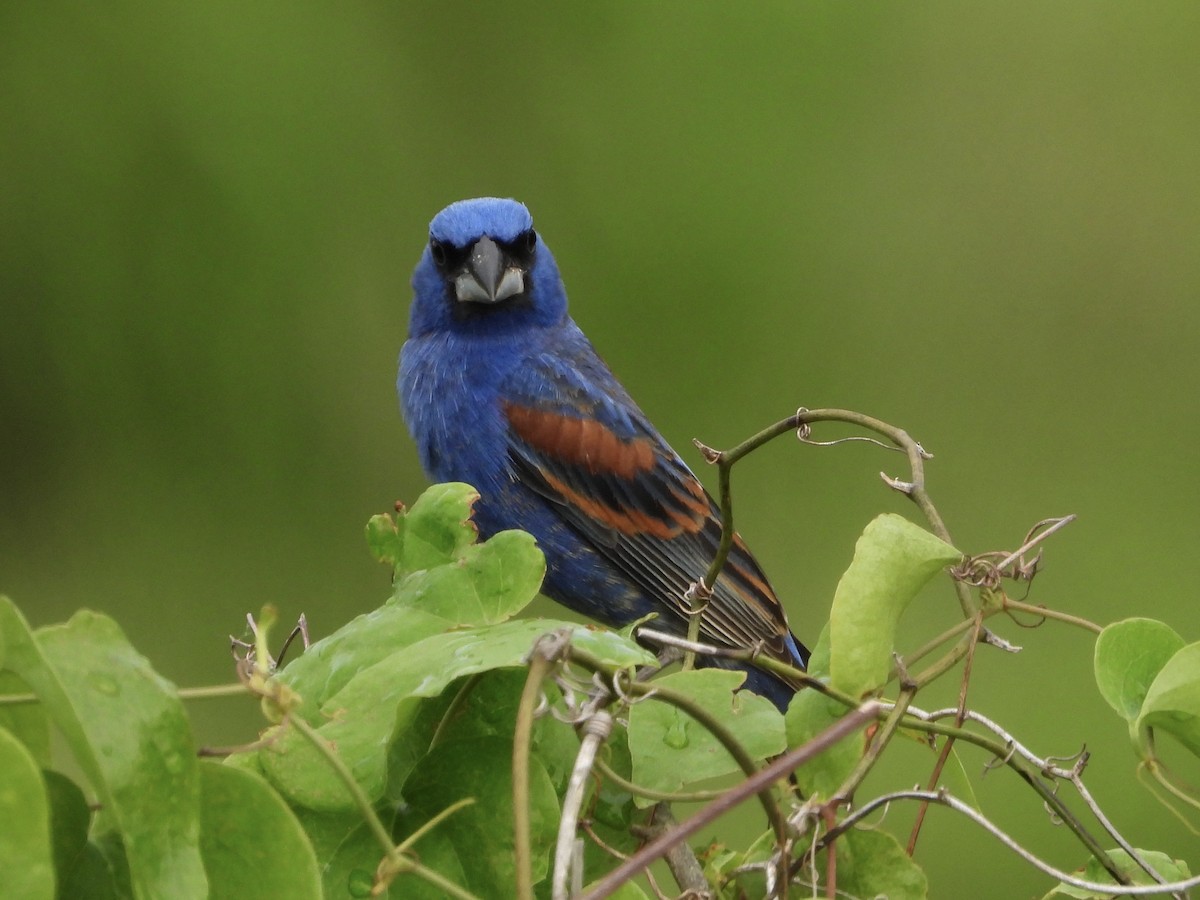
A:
(565, 376)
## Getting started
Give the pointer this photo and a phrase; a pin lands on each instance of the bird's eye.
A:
(529, 240)
(437, 250)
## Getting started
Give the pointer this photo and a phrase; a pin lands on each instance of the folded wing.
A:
(577, 439)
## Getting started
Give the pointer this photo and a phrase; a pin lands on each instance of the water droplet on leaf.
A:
(360, 883)
(676, 736)
(105, 684)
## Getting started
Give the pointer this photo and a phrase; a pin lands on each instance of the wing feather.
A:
(617, 482)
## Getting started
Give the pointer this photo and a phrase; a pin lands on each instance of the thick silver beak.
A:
(485, 278)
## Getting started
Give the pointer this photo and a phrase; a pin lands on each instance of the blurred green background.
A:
(980, 222)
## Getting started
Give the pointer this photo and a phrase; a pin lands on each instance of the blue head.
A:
(485, 268)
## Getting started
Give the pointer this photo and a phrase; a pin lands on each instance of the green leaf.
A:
(739, 875)
(434, 532)
(614, 648)
(252, 844)
(82, 869)
(385, 538)
(1168, 868)
(27, 721)
(809, 714)
(555, 742)
(437, 850)
(610, 808)
(382, 699)
(128, 731)
(326, 832)
(106, 857)
(893, 560)
(411, 742)
(486, 705)
(818, 661)
(69, 820)
(350, 871)
(25, 848)
(720, 867)
(481, 834)
(1172, 702)
(1129, 654)
(92, 877)
(439, 527)
(475, 706)
(439, 567)
(348, 851)
(873, 864)
(670, 749)
(487, 583)
(247, 761)
(328, 665)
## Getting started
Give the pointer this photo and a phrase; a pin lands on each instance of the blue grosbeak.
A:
(501, 389)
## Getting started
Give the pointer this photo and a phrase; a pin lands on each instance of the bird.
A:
(501, 389)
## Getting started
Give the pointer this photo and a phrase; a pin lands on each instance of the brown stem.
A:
(761, 780)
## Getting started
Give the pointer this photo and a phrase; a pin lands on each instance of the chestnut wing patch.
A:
(615, 481)
(640, 506)
(580, 442)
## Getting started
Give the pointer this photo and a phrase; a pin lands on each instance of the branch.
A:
(1043, 612)
(701, 715)
(639, 790)
(1026, 765)
(1110, 829)
(595, 730)
(882, 737)
(398, 862)
(361, 800)
(942, 798)
(920, 721)
(758, 782)
(766, 663)
(947, 748)
(914, 489)
(680, 859)
(541, 659)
